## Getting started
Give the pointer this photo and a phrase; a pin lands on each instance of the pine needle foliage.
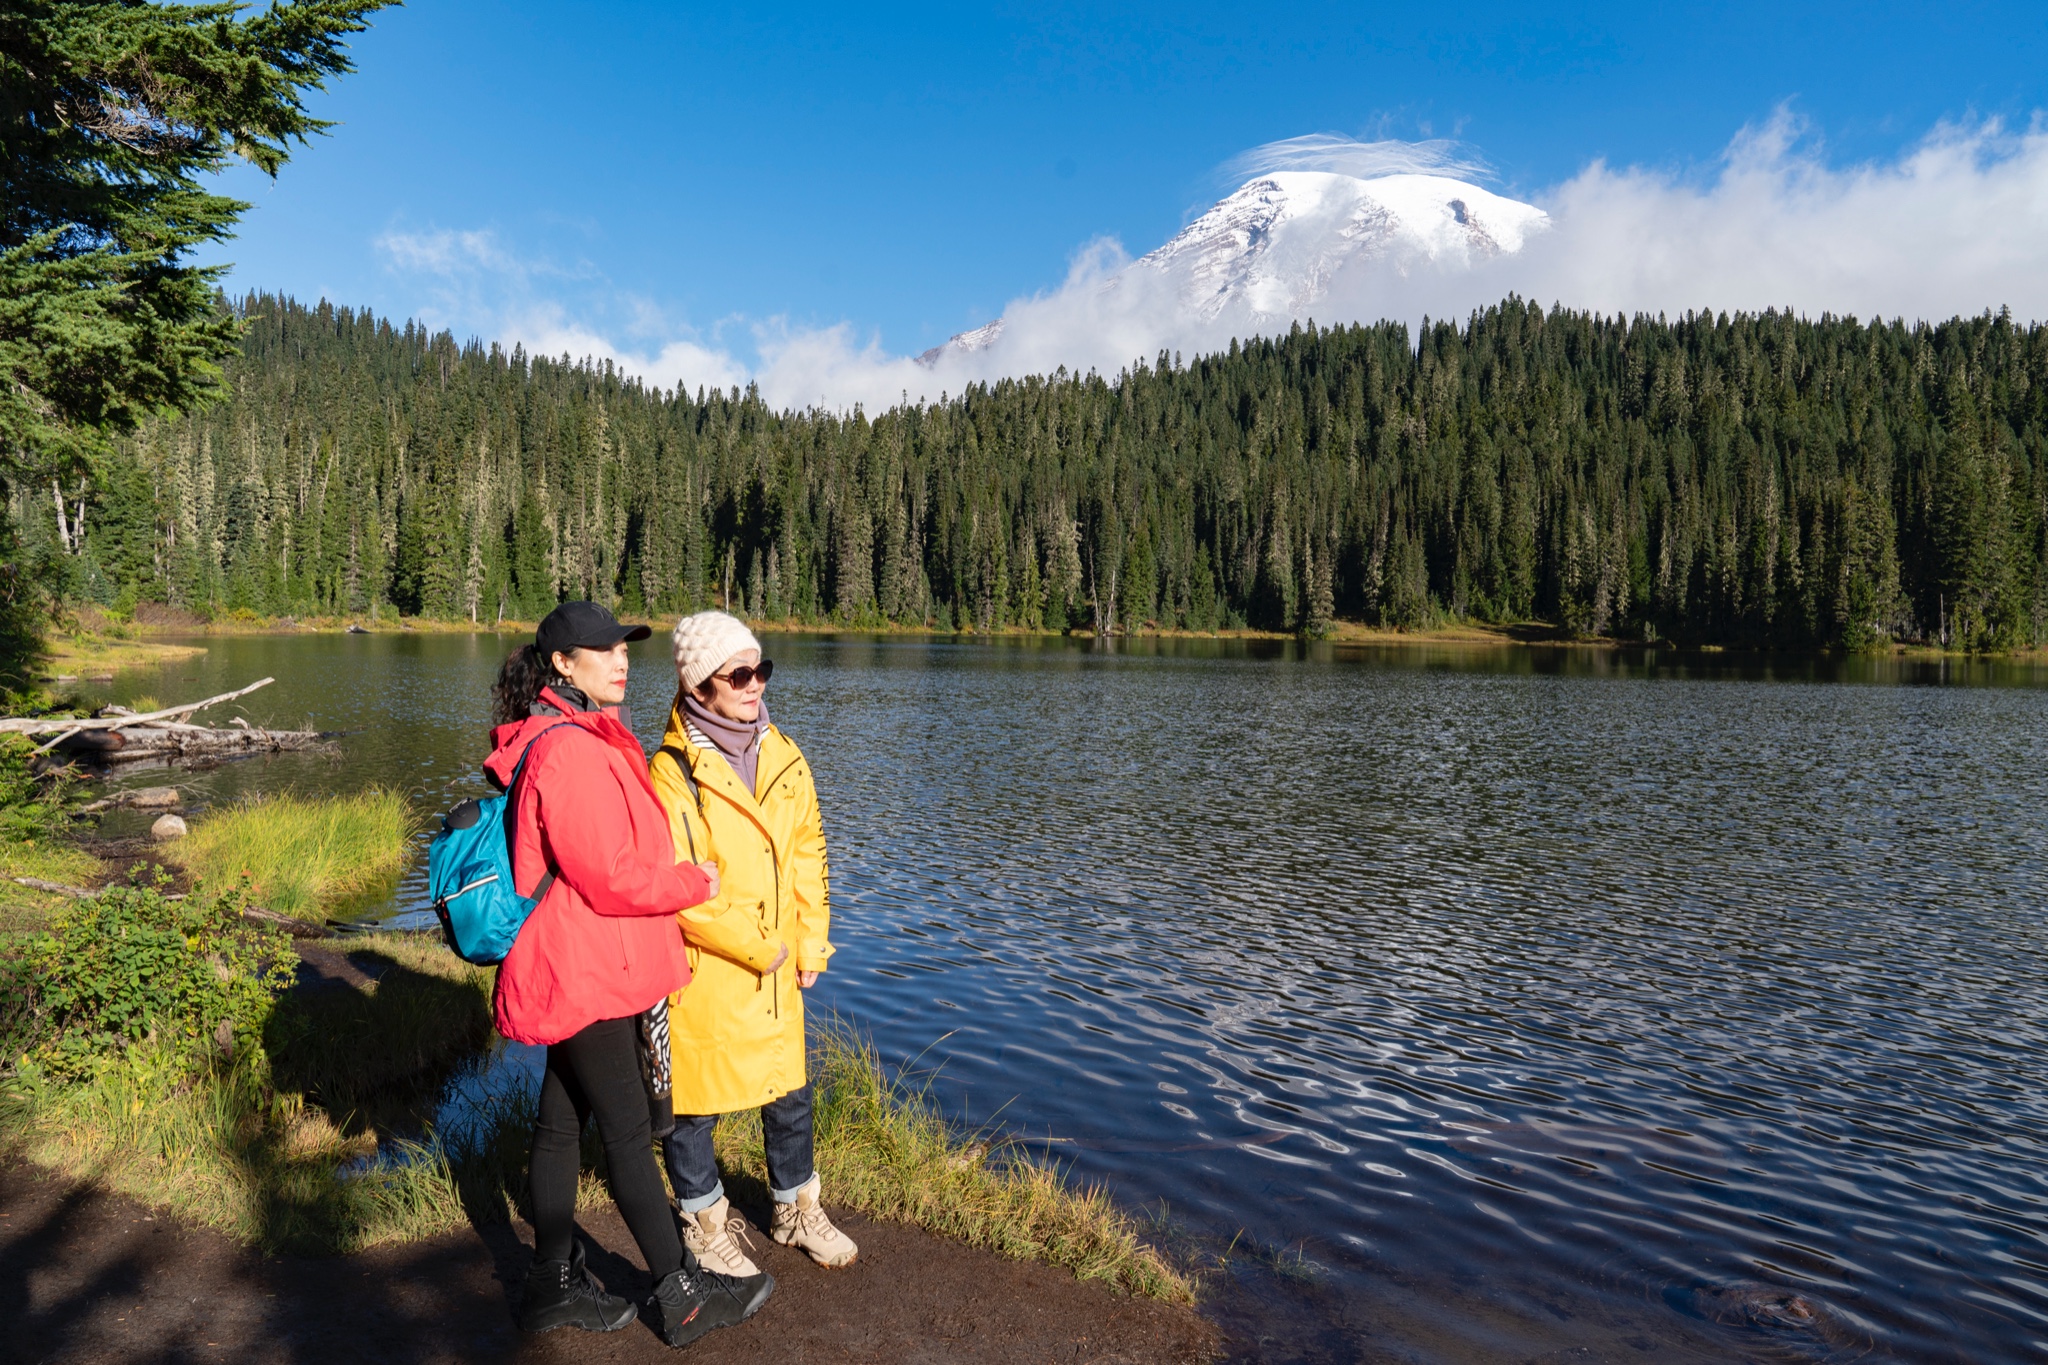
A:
(112, 113)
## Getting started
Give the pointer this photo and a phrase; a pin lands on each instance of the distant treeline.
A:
(1745, 479)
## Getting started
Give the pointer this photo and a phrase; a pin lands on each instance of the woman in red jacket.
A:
(601, 947)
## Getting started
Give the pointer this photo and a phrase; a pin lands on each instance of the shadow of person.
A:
(372, 1041)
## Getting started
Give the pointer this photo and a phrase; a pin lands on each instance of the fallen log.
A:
(254, 914)
(99, 744)
(23, 725)
(142, 798)
(200, 741)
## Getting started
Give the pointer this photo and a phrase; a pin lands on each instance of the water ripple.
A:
(1504, 1003)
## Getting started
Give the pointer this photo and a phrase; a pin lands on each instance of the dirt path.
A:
(88, 1276)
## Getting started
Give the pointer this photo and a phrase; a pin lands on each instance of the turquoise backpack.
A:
(469, 875)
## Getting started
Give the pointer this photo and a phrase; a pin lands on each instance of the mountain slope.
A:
(1285, 241)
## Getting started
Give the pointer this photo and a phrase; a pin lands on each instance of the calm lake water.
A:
(1466, 1005)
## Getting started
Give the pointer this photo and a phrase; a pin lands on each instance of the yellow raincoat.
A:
(736, 1033)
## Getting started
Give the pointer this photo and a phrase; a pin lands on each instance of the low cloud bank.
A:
(1956, 224)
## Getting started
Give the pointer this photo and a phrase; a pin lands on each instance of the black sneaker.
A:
(692, 1301)
(563, 1294)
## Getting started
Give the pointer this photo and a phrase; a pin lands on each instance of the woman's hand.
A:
(780, 958)
(806, 980)
(710, 871)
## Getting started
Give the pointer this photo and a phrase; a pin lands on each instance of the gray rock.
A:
(167, 827)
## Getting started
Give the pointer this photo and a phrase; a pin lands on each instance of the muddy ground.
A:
(89, 1276)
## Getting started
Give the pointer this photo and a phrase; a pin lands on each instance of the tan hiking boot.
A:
(803, 1225)
(717, 1237)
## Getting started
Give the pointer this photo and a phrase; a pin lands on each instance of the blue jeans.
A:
(785, 1132)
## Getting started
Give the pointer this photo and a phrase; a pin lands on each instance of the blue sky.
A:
(644, 173)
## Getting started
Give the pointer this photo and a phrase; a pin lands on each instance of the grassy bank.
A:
(1511, 635)
(279, 1145)
(311, 1139)
(36, 825)
(883, 1149)
(70, 658)
(303, 855)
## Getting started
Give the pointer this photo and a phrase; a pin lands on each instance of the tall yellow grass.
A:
(883, 1149)
(303, 855)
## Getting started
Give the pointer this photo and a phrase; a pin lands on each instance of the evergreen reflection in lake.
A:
(1500, 1004)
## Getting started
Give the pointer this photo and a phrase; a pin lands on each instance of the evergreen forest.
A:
(1750, 479)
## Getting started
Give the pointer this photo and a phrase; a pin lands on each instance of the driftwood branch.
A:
(254, 914)
(45, 748)
(70, 726)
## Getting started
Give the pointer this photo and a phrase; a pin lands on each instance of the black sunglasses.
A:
(743, 676)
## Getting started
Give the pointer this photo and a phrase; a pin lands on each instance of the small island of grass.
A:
(303, 855)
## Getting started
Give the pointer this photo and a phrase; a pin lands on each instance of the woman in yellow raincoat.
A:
(739, 793)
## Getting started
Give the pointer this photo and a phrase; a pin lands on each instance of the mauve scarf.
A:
(738, 740)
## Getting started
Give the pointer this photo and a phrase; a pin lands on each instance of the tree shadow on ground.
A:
(90, 1276)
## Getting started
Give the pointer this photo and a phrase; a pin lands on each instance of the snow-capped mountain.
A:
(1285, 241)
(1277, 245)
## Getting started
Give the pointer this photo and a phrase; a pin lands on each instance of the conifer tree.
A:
(112, 112)
(1750, 480)
(111, 115)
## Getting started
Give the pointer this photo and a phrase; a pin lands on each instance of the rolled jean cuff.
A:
(789, 1196)
(705, 1201)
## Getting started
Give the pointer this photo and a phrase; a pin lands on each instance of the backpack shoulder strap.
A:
(682, 762)
(510, 805)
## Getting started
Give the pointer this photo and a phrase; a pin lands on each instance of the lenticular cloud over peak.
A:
(1338, 231)
(1362, 160)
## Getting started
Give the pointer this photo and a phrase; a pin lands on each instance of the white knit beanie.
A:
(704, 642)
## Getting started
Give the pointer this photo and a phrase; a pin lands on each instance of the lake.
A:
(1455, 1004)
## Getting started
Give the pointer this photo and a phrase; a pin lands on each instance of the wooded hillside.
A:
(1754, 479)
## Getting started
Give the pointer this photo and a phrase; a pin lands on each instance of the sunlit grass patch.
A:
(236, 1143)
(85, 653)
(23, 909)
(320, 1137)
(303, 855)
(885, 1150)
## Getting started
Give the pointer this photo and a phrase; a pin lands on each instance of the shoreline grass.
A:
(25, 910)
(245, 1145)
(885, 1150)
(302, 1146)
(1477, 634)
(302, 855)
(74, 657)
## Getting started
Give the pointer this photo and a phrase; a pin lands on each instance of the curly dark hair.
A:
(520, 678)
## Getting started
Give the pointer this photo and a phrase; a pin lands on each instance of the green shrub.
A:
(132, 964)
(32, 805)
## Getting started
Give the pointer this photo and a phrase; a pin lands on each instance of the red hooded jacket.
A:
(603, 943)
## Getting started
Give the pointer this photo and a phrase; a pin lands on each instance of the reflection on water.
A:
(1502, 1003)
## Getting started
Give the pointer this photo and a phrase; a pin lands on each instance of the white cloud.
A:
(543, 329)
(1957, 223)
(1348, 156)
(472, 282)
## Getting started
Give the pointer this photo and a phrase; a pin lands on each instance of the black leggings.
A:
(597, 1071)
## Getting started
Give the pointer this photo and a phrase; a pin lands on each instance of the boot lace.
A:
(812, 1222)
(732, 1239)
(579, 1281)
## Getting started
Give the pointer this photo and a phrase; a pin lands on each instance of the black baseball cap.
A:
(582, 625)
